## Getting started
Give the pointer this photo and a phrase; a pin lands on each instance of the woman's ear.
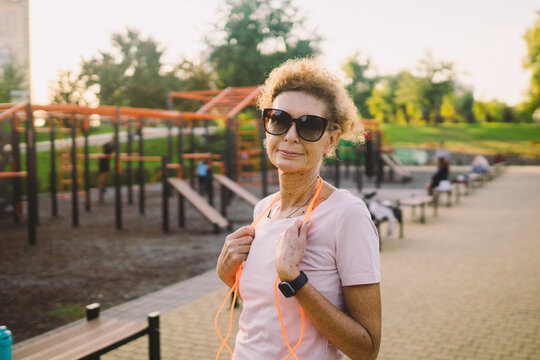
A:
(333, 139)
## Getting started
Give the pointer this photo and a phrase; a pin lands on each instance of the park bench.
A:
(421, 201)
(452, 190)
(92, 338)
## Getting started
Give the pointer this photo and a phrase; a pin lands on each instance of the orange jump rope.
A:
(238, 273)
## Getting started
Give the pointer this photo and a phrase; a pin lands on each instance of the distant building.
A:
(15, 34)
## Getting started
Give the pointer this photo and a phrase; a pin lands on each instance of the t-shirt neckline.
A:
(302, 215)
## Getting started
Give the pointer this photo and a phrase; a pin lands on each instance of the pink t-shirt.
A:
(342, 250)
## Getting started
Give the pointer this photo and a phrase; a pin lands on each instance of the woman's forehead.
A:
(299, 103)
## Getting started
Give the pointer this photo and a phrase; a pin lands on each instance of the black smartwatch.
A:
(290, 288)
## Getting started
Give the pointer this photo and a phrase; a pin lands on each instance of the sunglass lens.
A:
(310, 128)
(277, 122)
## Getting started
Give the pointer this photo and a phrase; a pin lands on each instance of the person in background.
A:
(442, 173)
(442, 152)
(202, 175)
(479, 165)
(328, 265)
(104, 167)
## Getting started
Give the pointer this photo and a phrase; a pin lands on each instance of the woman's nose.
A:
(291, 134)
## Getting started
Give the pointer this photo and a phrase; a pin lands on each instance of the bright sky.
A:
(484, 38)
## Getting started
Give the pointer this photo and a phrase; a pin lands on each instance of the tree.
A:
(532, 63)
(189, 75)
(255, 36)
(69, 89)
(361, 73)
(435, 79)
(383, 103)
(11, 78)
(464, 107)
(131, 78)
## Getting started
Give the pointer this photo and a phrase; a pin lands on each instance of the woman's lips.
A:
(288, 153)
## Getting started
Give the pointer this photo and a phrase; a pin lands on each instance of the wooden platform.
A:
(199, 202)
(237, 189)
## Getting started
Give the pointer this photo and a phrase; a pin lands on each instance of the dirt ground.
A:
(47, 285)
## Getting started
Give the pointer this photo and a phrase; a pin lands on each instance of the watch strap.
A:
(290, 288)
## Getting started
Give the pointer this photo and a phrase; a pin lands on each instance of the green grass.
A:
(102, 129)
(518, 139)
(66, 312)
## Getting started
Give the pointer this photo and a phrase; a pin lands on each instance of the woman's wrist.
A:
(288, 274)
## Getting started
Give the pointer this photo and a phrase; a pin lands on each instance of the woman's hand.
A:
(234, 252)
(290, 249)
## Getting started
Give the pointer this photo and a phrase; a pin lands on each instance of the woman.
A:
(442, 173)
(328, 266)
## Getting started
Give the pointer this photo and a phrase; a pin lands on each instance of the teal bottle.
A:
(5, 343)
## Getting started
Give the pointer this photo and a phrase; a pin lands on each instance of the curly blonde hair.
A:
(309, 76)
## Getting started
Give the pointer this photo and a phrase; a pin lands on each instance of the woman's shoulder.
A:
(263, 203)
(342, 202)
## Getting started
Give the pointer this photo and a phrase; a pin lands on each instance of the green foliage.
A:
(464, 107)
(359, 70)
(255, 36)
(131, 78)
(69, 88)
(11, 78)
(532, 63)
(188, 76)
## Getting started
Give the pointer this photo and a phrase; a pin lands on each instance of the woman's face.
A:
(288, 152)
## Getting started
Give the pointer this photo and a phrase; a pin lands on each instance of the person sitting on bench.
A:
(480, 165)
(443, 170)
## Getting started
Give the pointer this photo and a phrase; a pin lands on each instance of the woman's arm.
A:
(357, 333)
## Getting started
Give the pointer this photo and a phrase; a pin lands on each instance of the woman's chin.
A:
(289, 167)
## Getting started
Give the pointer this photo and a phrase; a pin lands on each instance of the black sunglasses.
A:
(308, 127)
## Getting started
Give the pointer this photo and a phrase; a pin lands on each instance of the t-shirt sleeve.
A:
(357, 246)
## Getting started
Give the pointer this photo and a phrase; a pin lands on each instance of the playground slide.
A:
(237, 189)
(399, 170)
(400, 164)
(199, 202)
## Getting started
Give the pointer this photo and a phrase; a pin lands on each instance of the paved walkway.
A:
(465, 285)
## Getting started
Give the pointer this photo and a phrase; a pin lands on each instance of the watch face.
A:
(286, 289)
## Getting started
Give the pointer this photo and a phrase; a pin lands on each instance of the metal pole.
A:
(191, 150)
(86, 166)
(129, 168)
(210, 183)
(31, 171)
(169, 141)
(153, 336)
(17, 187)
(180, 144)
(206, 137)
(74, 184)
(117, 189)
(228, 154)
(164, 195)
(54, 180)
(181, 211)
(141, 168)
(336, 169)
(359, 175)
(378, 157)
